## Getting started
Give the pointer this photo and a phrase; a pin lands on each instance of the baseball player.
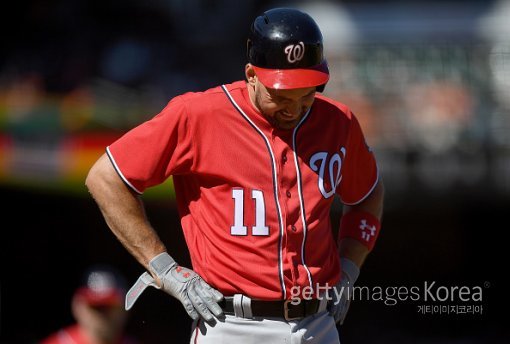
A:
(256, 165)
(98, 308)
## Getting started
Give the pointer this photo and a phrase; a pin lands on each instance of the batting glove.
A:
(343, 290)
(198, 298)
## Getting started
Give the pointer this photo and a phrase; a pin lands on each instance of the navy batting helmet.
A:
(286, 50)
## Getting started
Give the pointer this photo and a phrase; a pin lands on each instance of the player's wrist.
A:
(161, 264)
(361, 226)
(349, 270)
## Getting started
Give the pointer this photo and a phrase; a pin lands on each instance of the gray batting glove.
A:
(343, 290)
(198, 298)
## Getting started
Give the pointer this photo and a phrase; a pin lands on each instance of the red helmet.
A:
(286, 49)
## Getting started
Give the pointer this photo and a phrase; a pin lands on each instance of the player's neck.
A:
(251, 95)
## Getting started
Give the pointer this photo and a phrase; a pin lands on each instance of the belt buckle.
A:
(286, 311)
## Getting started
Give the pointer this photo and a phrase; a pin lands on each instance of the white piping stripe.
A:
(301, 200)
(369, 191)
(120, 172)
(275, 181)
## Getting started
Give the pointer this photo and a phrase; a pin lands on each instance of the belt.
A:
(275, 309)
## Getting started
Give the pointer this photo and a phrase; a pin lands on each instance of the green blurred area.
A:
(76, 188)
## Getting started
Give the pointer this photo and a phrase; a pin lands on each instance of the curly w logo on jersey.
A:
(334, 165)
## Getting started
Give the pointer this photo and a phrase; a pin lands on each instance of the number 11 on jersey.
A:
(239, 228)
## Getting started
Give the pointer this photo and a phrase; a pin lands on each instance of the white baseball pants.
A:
(319, 328)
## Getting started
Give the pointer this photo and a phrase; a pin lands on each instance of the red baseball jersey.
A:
(254, 200)
(76, 335)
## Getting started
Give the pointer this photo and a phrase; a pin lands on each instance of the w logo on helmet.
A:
(295, 52)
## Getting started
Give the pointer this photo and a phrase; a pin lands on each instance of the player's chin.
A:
(287, 125)
(286, 122)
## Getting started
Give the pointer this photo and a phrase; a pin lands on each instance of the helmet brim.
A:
(282, 79)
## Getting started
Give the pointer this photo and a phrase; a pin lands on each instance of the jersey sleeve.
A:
(156, 149)
(359, 171)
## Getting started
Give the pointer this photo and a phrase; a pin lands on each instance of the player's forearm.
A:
(123, 211)
(373, 204)
(353, 250)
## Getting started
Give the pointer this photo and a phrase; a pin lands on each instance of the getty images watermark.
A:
(433, 298)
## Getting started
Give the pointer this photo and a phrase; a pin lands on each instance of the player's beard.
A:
(283, 121)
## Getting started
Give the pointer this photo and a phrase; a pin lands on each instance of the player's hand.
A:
(198, 298)
(343, 294)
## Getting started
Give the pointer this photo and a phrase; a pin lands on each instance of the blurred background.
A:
(429, 82)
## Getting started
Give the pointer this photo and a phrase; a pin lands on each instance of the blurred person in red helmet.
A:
(98, 308)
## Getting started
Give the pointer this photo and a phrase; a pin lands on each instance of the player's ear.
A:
(250, 74)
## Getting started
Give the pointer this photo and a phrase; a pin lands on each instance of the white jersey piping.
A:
(119, 172)
(275, 189)
(301, 199)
